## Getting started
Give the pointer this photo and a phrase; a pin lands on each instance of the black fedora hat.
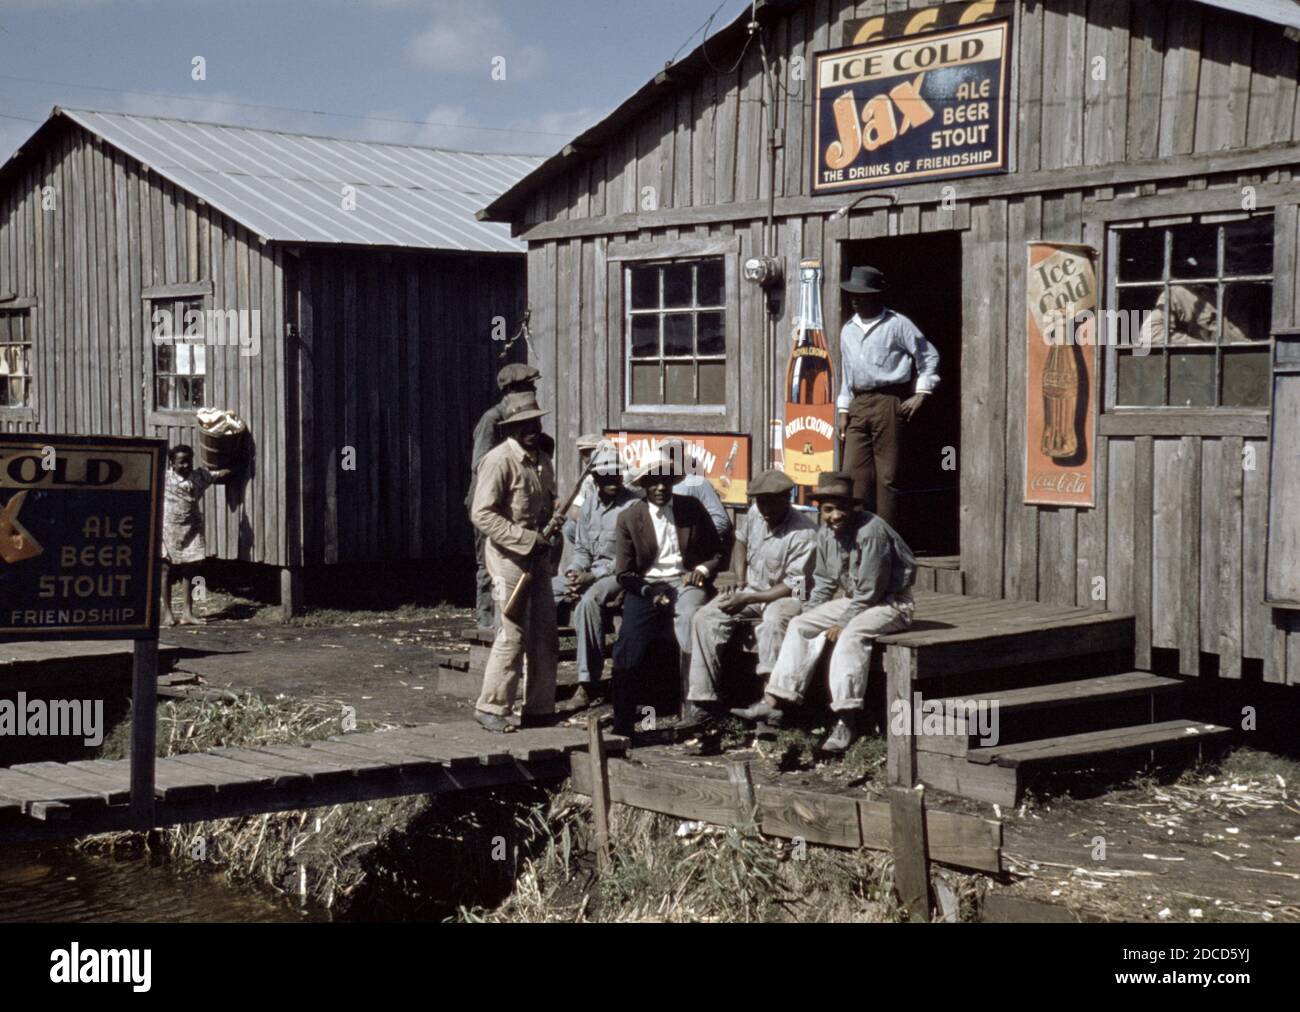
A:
(864, 281)
(835, 485)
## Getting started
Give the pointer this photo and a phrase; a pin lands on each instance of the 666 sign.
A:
(79, 535)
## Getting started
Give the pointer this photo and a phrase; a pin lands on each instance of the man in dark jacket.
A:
(668, 553)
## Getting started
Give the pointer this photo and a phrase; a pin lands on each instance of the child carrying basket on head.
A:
(184, 546)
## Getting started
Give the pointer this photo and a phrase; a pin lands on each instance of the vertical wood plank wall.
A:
(114, 230)
(1178, 532)
(395, 359)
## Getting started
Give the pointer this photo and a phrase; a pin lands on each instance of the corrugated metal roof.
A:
(1282, 12)
(288, 187)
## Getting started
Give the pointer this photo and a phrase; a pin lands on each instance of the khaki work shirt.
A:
(781, 555)
(514, 499)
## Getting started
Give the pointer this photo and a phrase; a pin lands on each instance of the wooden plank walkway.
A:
(46, 801)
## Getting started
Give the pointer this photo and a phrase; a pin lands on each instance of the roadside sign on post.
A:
(80, 529)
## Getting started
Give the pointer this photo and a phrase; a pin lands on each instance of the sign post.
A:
(80, 529)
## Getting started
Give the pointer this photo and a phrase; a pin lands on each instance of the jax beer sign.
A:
(79, 536)
(924, 107)
(1061, 393)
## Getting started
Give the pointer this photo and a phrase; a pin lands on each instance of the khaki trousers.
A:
(872, 443)
(535, 637)
(851, 658)
(713, 629)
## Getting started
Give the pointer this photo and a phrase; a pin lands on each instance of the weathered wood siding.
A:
(1194, 104)
(116, 229)
(394, 359)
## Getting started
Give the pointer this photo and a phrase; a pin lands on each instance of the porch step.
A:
(1060, 708)
(1115, 741)
(998, 775)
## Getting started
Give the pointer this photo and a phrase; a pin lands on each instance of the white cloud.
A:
(465, 38)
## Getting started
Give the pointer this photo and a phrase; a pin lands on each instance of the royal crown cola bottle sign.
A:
(809, 435)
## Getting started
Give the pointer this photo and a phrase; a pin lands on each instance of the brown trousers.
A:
(872, 448)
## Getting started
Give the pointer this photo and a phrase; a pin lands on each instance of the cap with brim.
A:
(662, 464)
(521, 407)
(516, 372)
(864, 281)
(834, 485)
(771, 483)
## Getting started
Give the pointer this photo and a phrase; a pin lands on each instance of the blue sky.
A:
(566, 62)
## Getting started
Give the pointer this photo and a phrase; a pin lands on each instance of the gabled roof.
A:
(288, 187)
(723, 45)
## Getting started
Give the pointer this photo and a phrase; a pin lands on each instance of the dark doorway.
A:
(924, 278)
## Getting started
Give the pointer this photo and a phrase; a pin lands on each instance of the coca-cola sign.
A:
(1061, 373)
(722, 458)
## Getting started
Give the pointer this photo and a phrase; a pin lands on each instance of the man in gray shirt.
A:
(589, 582)
(880, 350)
(862, 589)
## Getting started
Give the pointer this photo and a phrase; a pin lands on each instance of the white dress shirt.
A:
(668, 565)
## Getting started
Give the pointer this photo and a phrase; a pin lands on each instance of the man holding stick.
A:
(514, 498)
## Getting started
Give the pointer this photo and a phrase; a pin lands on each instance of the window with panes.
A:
(676, 332)
(180, 362)
(16, 379)
(1196, 300)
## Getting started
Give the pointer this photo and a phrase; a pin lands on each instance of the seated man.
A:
(667, 555)
(588, 582)
(697, 485)
(773, 562)
(588, 445)
(862, 588)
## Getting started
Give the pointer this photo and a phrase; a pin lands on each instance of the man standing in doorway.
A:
(888, 369)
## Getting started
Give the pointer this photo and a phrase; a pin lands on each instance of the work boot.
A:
(841, 736)
(697, 717)
(760, 713)
(580, 700)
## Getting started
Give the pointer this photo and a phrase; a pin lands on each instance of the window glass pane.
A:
(678, 290)
(1140, 380)
(645, 336)
(182, 359)
(1143, 314)
(164, 358)
(645, 287)
(1248, 246)
(711, 282)
(680, 384)
(196, 392)
(199, 360)
(713, 334)
(1248, 307)
(8, 359)
(4, 395)
(1193, 313)
(1245, 379)
(645, 384)
(1191, 379)
(164, 392)
(27, 393)
(713, 382)
(1196, 251)
(679, 334)
(1141, 254)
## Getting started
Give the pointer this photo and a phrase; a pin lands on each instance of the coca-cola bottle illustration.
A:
(809, 443)
(729, 469)
(1060, 403)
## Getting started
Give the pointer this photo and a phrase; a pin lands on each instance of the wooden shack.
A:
(1164, 136)
(355, 298)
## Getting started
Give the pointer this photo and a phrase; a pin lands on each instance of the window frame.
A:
(201, 293)
(26, 308)
(623, 255)
(1119, 419)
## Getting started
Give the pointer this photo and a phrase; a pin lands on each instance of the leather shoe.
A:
(760, 712)
(841, 737)
(492, 722)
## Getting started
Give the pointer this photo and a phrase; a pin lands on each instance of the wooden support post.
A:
(599, 791)
(911, 850)
(290, 593)
(742, 792)
(144, 729)
(900, 677)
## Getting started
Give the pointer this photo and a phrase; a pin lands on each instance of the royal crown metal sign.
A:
(79, 536)
(924, 107)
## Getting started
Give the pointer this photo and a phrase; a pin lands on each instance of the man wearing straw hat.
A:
(514, 499)
(668, 554)
(862, 589)
(589, 583)
(880, 351)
